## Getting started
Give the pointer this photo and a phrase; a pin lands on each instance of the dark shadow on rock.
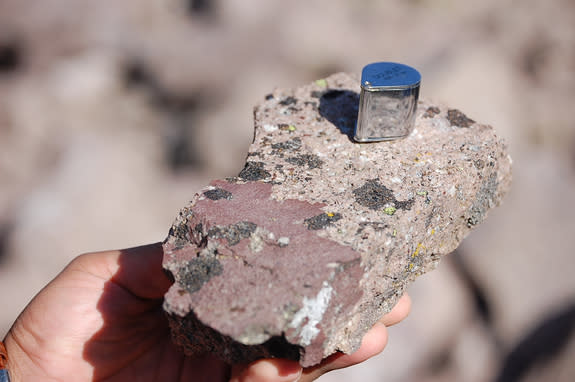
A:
(340, 107)
(198, 338)
(540, 346)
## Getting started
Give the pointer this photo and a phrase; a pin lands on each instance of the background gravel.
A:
(112, 114)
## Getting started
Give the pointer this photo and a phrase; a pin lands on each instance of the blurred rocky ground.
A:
(112, 114)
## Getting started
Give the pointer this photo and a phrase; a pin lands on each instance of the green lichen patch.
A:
(287, 127)
(389, 210)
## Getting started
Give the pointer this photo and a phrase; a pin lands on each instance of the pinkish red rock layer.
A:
(319, 236)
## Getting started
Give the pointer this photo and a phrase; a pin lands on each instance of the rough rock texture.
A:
(319, 236)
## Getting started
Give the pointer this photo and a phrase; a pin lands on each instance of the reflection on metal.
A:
(387, 103)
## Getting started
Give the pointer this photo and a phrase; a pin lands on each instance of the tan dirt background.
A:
(112, 114)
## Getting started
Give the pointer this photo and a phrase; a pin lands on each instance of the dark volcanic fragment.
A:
(309, 160)
(254, 171)
(198, 271)
(233, 233)
(373, 195)
(288, 101)
(376, 196)
(289, 145)
(431, 112)
(321, 221)
(457, 118)
(217, 194)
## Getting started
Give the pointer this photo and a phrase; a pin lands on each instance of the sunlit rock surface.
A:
(318, 236)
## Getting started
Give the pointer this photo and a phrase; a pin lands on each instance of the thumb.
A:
(267, 370)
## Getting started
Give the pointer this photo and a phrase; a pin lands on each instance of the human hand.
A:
(102, 319)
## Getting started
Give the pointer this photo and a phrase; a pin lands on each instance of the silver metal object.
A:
(387, 102)
(4, 376)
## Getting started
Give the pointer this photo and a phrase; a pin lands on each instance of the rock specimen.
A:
(318, 236)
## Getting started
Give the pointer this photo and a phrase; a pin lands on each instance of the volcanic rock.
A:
(318, 236)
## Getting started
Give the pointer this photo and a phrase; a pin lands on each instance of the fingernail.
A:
(286, 370)
(298, 375)
(276, 370)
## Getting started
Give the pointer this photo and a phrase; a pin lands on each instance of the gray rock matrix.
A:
(318, 236)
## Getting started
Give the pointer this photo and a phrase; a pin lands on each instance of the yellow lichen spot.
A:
(394, 234)
(411, 265)
(389, 210)
(433, 231)
(322, 83)
(419, 247)
(330, 214)
(291, 128)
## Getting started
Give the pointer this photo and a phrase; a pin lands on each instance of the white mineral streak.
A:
(283, 241)
(257, 239)
(270, 128)
(312, 310)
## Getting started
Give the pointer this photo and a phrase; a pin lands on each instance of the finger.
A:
(399, 311)
(372, 344)
(138, 270)
(268, 370)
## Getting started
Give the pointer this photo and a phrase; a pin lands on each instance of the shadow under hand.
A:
(135, 340)
(340, 107)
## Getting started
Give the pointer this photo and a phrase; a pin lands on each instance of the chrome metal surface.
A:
(388, 101)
